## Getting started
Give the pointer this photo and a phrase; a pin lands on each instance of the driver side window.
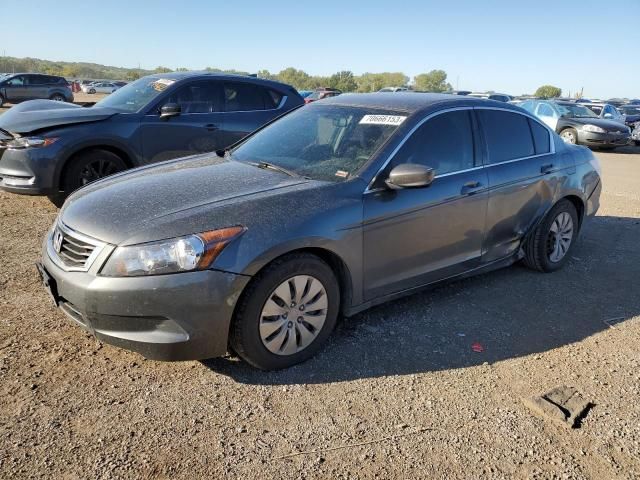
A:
(444, 143)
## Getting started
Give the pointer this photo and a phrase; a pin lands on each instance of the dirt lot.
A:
(398, 392)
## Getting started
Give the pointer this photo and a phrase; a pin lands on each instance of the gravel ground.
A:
(397, 393)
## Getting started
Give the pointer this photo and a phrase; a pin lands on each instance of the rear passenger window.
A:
(444, 143)
(540, 137)
(245, 97)
(273, 99)
(507, 134)
(199, 97)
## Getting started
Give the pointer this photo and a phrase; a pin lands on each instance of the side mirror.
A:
(170, 110)
(410, 175)
(608, 115)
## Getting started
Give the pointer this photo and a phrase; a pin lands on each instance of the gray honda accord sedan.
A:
(333, 208)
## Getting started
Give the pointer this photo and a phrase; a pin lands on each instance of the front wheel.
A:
(569, 135)
(637, 142)
(57, 98)
(286, 313)
(93, 90)
(89, 167)
(549, 245)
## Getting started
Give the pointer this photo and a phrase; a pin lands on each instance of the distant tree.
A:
(182, 69)
(132, 75)
(162, 70)
(344, 81)
(372, 82)
(70, 71)
(297, 78)
(548, 91)
(266, 74)
(434, 81)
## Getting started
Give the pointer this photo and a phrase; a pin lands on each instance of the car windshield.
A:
(575, 111)
(136, 95)
(322, 142)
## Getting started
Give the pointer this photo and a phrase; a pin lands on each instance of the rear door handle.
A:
(211, 127)
(470, 188)
(548, 168)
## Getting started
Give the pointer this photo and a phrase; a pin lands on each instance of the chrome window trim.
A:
(99, 246)
(552, 146)
(404, 140)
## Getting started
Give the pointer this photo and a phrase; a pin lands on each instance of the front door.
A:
(198, 128)
(415, 236)
(15, 89)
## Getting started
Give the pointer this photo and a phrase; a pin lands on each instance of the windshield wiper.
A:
(277, 168)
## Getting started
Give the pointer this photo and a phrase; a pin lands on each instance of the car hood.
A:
(607, 125)
(36, 115)
(170, 199)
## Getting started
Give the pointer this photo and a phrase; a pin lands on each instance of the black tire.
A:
(569, 133)
(88, 167)
(92, 90)
(1, 101)
(537, 246)
(57, 199)
(637, 142)
(56, 97)
(244, 336)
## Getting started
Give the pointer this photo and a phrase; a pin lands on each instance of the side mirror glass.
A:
(410, 175)
(170, 110)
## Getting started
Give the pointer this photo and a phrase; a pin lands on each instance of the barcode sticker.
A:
(382, 120)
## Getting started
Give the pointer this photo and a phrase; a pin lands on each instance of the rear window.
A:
(540, 136)
(246, 97)
(507, 134)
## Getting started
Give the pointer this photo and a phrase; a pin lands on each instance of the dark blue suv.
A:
(50, 148)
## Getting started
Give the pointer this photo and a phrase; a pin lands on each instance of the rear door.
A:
(414, 236)
(198, 128)
(247, 107)
(522, 169)
(37, 86)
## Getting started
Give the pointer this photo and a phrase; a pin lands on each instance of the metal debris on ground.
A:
(563, 405)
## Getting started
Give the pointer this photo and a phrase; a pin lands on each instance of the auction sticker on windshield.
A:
(162, 83)
(382, 120)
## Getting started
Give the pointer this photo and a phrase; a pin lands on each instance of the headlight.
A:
(182, 254)
(593, 128)
(29, 142)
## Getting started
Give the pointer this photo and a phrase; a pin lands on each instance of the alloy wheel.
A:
(568, 136)
(293, 315)
(96, 170)
(560, 237)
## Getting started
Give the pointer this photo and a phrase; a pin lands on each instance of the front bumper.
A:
(603, 139)
(183, 316)
(29, 171)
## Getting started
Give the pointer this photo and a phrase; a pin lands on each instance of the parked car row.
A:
(259, 247)
(576, 123)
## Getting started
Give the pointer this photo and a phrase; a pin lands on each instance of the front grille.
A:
(73, 250)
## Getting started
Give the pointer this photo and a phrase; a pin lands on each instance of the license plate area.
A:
(49, 284)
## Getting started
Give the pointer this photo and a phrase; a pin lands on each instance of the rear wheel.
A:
(92, 90)
(286, 313)
(549, 245)
(569, 135)
(56, 97)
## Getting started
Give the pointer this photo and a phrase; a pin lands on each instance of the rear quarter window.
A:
(541, 140)
(507, 134)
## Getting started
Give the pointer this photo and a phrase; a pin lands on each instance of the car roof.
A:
(195, 75)
(412, 102)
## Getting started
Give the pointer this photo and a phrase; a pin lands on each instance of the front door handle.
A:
(547, 168)
(470, 188)
(211, 127)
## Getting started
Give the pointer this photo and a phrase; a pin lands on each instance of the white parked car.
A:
(100, 87)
